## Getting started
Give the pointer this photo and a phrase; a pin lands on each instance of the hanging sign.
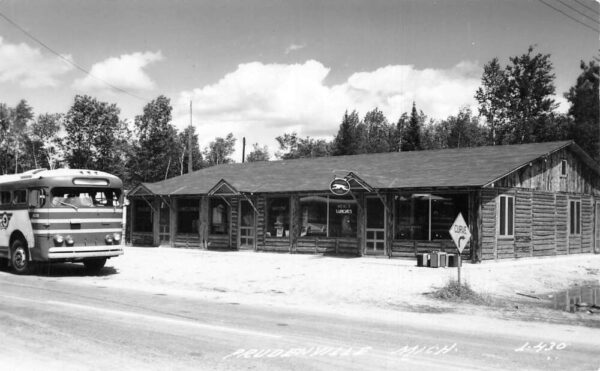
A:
(339, 186)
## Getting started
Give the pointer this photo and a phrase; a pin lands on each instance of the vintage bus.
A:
(63, 215)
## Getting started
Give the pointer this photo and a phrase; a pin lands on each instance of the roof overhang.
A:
(223, 188)
(357, 182)
(140, 190)
(570, 144)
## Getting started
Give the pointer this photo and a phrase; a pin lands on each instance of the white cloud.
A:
(294, 47)
(28, 67)
(124, 72)
(261, 101)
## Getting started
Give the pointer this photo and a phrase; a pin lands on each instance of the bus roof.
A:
(62, 176)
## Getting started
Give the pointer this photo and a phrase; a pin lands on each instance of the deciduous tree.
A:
(258, 153)
(584, 109)
(156, 152)
(183, 140)
(219, 151)
(291, 146)
(517, 100)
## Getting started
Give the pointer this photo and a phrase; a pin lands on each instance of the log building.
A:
(519, 201)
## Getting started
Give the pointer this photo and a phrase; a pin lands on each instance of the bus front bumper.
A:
(76, 252)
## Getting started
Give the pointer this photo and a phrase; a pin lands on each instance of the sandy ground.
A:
(351, 284)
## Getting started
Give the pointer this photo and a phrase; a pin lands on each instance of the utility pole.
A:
(243, 149)
(190, 167)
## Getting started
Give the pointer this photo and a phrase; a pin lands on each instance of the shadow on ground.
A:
(63, 270)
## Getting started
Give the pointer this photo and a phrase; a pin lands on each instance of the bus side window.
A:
(37, 198)
(20, 196)
(4, 197)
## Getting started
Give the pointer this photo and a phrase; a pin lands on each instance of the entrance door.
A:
(164, 225)
(247, 226)
(375, 238)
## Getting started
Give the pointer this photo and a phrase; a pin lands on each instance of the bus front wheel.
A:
(19, 258)
(94, 266)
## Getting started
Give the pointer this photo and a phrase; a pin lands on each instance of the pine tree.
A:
(346, 141)
(413, 132)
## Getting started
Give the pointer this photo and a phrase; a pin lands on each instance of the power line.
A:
(585, 6)
(567, 15)
(577, 11)
(67, 60)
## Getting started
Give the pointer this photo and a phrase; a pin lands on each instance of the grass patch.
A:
(451, 291)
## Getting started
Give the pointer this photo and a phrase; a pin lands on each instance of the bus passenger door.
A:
(5, 199)
(39, 218)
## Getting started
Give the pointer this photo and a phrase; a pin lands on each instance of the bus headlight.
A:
(69, 241)
(108, 239)
(58, 240)
(116, 238)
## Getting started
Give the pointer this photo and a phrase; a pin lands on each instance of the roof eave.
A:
(526, 163)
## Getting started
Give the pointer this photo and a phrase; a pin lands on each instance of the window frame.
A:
(268, 216)
(212, 204)
(509, 217)
(431, 235)
(8, 200)
(574, 216)
(564, 170)
(142, 207)
(17, 194)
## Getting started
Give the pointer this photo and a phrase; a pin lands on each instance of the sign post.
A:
(460, 235)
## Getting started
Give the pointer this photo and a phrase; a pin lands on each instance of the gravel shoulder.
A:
(349, 285)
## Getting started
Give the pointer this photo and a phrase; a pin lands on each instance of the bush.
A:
(452, 291)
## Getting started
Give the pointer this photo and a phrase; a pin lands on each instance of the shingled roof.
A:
(464, 167)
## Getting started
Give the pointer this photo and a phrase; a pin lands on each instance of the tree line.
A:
(515, 105)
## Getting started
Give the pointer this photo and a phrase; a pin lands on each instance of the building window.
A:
(188, 211)
(563, 168)
(313, 214)
(574, 217)
(424, 216)
(342, 217)
(506, 216)
(278, 217)
(328, 216)
(143, 217)
(219, 216)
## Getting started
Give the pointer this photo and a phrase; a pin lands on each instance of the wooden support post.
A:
(294, 229)
(156, 221)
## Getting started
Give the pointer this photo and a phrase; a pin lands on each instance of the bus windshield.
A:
(85, 197)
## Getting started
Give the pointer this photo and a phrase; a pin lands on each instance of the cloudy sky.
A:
(266, 67)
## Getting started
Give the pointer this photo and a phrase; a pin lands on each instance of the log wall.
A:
(234, 222)
(409, 249)
(545, 174)
(142, 239)
(219, 242)
(541, 224)
(488, 224)
(523, 223)
(187, 241)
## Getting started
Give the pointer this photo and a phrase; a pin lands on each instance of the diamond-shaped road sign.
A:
(460, 233)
